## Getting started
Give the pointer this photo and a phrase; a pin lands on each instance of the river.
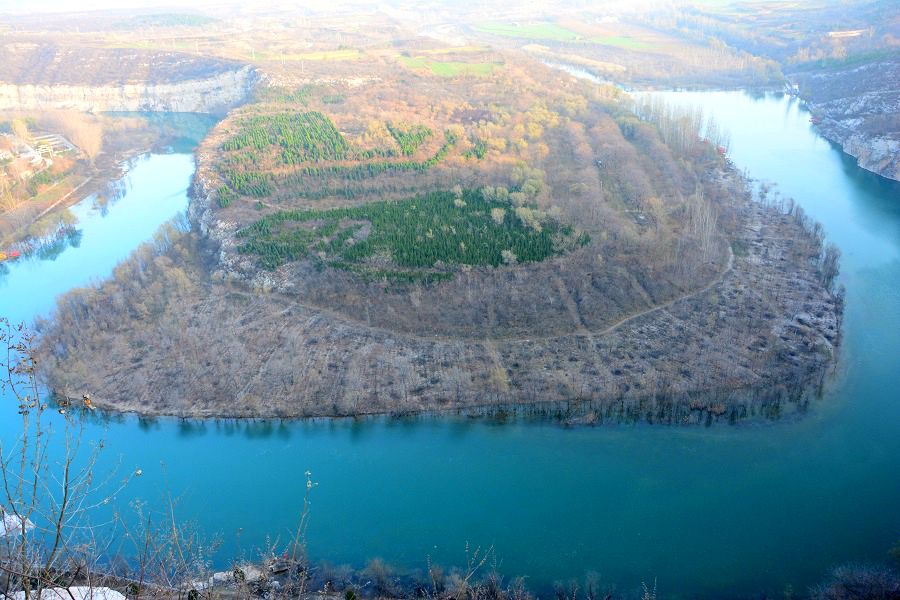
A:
(704, 512)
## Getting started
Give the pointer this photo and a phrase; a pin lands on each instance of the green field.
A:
(620, 41)
(534, 31)
(556, 33)
(419, 233)
(448, 68)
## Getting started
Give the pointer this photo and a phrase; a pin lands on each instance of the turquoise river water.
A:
(704, 512)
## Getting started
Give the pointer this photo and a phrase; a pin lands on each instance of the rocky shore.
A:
(857, 106)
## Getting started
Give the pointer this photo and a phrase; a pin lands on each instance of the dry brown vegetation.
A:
(544, 133)
(42, 61)
(656, 318)
(162, 339)
(85, 131)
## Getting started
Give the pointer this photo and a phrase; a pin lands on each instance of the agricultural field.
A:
(648, 50)
(621, 41)
(535, 31)
(553, 32)
(448, 68)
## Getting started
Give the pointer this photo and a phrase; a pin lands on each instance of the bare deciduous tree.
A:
(49, 485)
(81, 129)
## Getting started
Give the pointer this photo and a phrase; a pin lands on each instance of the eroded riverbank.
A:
(857, 106)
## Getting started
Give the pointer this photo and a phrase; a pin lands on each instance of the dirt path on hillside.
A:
(492, 340)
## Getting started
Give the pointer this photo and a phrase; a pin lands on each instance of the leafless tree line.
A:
(681, 127)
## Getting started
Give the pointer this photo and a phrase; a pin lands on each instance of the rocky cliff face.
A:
(858, 107)
(212, 93)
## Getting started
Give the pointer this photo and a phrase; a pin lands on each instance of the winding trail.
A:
(716, 280)
(492, 340)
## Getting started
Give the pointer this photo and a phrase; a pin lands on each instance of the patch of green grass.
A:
(448, 68)
(556, 33)
(533, 31)
(620, 41)
(419, 235)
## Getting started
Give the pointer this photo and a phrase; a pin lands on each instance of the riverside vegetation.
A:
(555, 247)
(53, 543)
(842, 57)
(66, 551)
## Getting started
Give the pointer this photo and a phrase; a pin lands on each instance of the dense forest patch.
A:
(409, 138)
(300, 137)
(284, 150)
(425, 232)
(243, 181)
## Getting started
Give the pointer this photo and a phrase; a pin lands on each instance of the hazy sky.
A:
(30, 6)
(33, 6)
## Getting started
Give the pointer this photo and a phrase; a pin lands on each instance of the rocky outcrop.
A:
(214, 93)
(858, 107)
(879, 154)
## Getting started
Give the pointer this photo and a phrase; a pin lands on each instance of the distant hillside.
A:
(164, 20)
(856, 104)
(51, 64)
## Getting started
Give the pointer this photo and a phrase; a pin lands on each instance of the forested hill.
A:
(500, 233)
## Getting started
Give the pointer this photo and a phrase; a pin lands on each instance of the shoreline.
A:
(94, 182)
(672, 402)
(573, 413)
(852, 107)
(674, 338)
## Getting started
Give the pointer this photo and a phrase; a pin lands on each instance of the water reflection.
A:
(178, 133)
